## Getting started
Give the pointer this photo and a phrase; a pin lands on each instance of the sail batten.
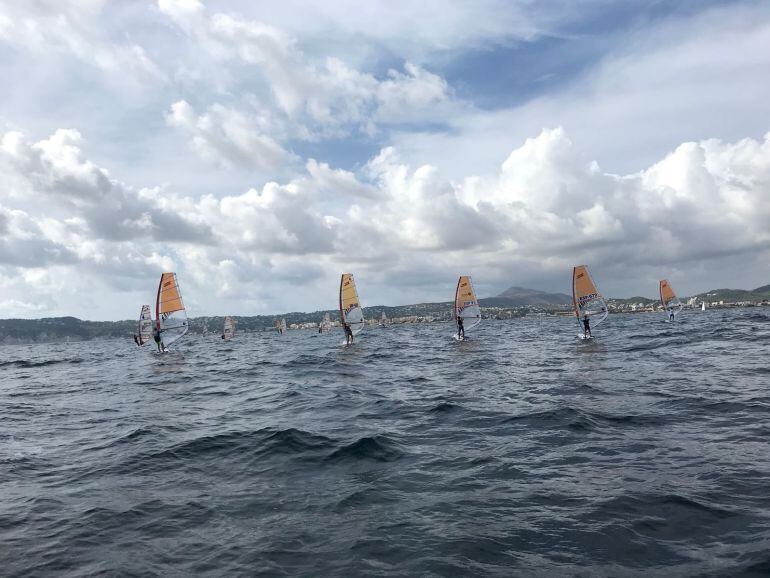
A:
(351, 311)
(586, 299)
(170, 314)
(466, 304)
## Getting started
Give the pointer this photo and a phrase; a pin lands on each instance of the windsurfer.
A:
(136, 340)
(460, 328)
(158, 340)
(671, 314)
(586, 326)
(348, 333)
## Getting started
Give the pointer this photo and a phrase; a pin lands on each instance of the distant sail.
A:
(671, 303)
(384, 319)
(326, 324)
(351, 311)
(144, 331)
(280, 326)
(229, 329)
(170, 314)
(466, 305)
(586, 297)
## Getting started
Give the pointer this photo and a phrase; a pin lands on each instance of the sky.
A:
(261, 149)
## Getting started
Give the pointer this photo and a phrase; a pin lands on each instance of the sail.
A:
(466, 304)
(144, 332)
(326, 324)
(668, 298)
(228, 332)
(350, 306)
(280, 326)
(384, 319)
(170, 315)
(586, 297)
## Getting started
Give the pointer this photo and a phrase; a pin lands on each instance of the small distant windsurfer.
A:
(348, 333)
(136, 340)
(158, 341)
(586, 327)
(460, 328)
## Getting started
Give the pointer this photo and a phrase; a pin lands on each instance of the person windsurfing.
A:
(158, 340)
(136, 340)
(348, 333)
(586, 327)
(671, 316)
(460, 328)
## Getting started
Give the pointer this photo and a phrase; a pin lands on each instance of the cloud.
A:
(338, 181)
(74, 29)
(229, 137)
(545, 209)
(318, 98)
(55, 170)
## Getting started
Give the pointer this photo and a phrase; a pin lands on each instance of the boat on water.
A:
(170, 314)
(228, 331)
(466, 305)
(351, 311)
(671, 303)
(586, 300)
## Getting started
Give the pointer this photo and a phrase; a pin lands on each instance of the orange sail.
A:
(671, 304)
(170, 314)
(586, 298)
(351, 311)
(466, 305)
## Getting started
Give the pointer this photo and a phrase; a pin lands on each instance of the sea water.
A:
(522, 450)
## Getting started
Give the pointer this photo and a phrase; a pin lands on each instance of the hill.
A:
(520, 297)
(735, 295)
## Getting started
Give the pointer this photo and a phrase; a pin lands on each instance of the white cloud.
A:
(54, 170)
(544, 210)
(677, 79)
(73, 29)
(230, 138)
(320, 97)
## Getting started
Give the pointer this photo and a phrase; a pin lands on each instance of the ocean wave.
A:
(26, 364)
(379, 448)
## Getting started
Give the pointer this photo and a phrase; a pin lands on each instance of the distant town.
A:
(513, 303)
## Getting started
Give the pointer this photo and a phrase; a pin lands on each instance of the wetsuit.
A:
(136, 340)
(158, 341)
(586, 326)
(460, 328)
(348, 334)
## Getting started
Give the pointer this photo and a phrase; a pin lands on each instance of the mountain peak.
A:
(520, 296)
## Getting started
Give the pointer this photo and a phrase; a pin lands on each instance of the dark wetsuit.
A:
(586, 326)
(348, 333)
(136, 340)
(460, 328)
(158, 341)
